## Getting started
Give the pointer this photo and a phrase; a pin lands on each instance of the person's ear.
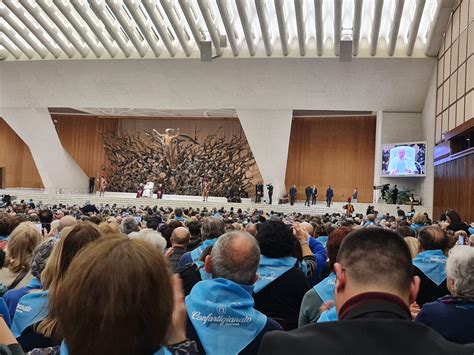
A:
(208, 264)
(341, 278)
(414, 288)
(255, 278)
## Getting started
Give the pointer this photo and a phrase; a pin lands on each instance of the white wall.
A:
(320, 84)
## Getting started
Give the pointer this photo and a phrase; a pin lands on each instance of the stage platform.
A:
(123, 199)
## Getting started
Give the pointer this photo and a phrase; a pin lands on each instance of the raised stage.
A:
(124, 199)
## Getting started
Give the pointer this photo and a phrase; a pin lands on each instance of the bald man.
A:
(251, 229)
(179, 243)
(318, 251)
(430, 264)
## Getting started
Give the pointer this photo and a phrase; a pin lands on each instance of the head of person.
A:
(334, 242)
(307, 227)
(234, 257)
(153, 222)
(45, 216)
(71, 242)
(152, 237)
(129, 225)
(360, 251)
(461, 234)
(419, 218)
(23, 241)
(432, 238)
(406, 231)
(460, 271)
(41, 255)
(212, 228)
(251, 228)
(111, 227)
(129, 320)
(371, 217)
(5, 224)
(413, 245)
(67, 221)
(180, 237)
(276, 240)
(452, 217)
(194, 228)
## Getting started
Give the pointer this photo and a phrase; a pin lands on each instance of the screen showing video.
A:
(404, 159)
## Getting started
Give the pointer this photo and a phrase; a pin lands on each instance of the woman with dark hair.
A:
(323, 291)
(100, 312)
(455, 223)
(281, 282)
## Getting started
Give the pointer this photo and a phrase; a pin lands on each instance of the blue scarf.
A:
(196, 253)
(325, 289)
(34, 283)
(328, 316)
(323, 240)
(204, 274)
(223, 316)
(416, 226)
(31, 309)
(433, 264)
(271, 269)
(3, 237)
(63, 350)
(471, 230)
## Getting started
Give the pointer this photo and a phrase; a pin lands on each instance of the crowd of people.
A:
(147, 280)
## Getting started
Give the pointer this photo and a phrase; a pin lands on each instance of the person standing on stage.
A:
(293, 192)
(91, 184)
(206, 187)
(314, 195)
(355, 195)
(270, 193)
(308, 192)
(258, 192)
(395, 195)
(329, 195)
(102, 185)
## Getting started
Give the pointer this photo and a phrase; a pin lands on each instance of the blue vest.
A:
(196, 253)
(325, 289)
(271, 269)
(222, 313)
(433, 264)
(31, 309)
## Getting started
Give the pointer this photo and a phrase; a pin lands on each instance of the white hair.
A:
(151, 236)
(460, 268)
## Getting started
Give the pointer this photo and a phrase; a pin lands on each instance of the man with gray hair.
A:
(211, 229)
(221, 314)
(129, 225)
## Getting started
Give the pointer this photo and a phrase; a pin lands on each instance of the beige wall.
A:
(455, 79)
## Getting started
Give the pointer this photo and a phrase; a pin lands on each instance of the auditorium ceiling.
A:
(121, 29)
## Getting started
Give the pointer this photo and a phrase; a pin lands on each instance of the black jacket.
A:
(429, 291)
(376, 326)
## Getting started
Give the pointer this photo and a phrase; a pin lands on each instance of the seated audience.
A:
(38, 263)
(454, 222)
(418, 221)
(430, 264)
(323, 291)
(221, 314)
(179, 242)
(89, 208)
(211, 229)
(34, 324)
(281, 283)
(318, 249)
(116, 318)
(413, 245)
(195, 239)
(151, 236)
(453, 316)
(375, 285)
(129, 225)
(251, 228)
(21, 244)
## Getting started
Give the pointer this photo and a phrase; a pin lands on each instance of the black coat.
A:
(379, 327)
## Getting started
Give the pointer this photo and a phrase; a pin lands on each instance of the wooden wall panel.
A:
(15, 157)
(80, 136)
(337, 151)
(453, 187)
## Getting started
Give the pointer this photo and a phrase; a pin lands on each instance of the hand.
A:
(326, 306)
(177, 329)
(299, 232)
(414, 310)
(169, 252)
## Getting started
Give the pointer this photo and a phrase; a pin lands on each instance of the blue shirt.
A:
(320, 254)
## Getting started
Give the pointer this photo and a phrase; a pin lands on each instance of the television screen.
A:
(404, 159)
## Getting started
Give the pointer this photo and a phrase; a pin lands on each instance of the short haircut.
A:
(180, 236)
(45, 216)
(129, 225)
(195, 228)
(432, 238)
(212, 228)
(236, 257)
(376, 256)
(406, 231)
(460, 268)
(121, 288)
(276, 239)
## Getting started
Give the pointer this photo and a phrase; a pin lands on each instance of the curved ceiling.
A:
(105, 29)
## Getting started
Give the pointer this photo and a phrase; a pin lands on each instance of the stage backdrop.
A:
(337, 151)
(135, 150)
(15, 157)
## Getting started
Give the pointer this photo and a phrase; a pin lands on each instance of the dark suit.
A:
(429, 291)
(307, 192)
(270, 193)
(329, 196)
(374, 327)
(314, 195)
(292, 195)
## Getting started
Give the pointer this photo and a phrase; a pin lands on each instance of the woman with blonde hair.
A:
(418, 221)
(413, 245)
(21, 244)
(36, 325)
